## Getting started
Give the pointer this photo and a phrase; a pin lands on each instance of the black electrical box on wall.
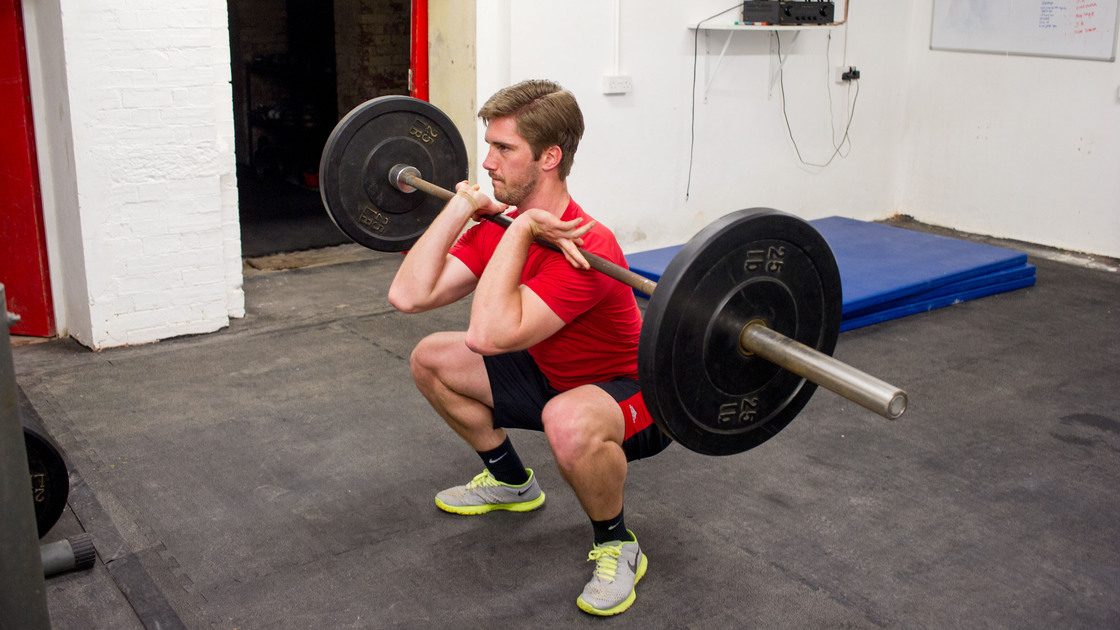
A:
(806, 12)
(762, 11)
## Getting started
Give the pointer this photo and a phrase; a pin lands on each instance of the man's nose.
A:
(489, 163)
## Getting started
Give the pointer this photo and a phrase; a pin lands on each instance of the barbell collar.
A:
(397, 175)
(832, 374)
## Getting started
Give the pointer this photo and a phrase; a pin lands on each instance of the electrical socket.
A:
(617, 84)
(843, 74)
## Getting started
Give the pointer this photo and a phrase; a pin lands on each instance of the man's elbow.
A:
(486, 345)
(403, 302)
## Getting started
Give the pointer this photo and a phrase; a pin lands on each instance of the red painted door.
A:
(418, 52)
(23, 249)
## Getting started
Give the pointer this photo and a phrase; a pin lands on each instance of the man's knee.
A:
(424, 361)
(442, 360)
(577, 425)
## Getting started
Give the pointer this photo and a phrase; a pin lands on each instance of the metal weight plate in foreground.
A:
(50, 478)
(757, 264)
(364, 146)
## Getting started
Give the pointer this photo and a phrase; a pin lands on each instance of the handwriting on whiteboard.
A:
(1083, 29)
(1078, 17)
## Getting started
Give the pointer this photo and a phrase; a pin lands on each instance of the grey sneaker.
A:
(484, 493)
(618, 567)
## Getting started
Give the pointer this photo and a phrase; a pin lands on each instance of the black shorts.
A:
(521, 391)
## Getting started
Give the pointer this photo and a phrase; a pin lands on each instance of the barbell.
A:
(739, 329)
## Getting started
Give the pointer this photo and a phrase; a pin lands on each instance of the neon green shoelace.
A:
(606, 559)
(483, 478)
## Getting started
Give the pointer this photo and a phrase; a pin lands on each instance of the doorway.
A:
(297, 67)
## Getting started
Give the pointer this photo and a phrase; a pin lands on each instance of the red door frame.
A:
(23, 245)
(418, 61)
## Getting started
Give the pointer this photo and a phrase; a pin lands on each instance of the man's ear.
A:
(550, 158)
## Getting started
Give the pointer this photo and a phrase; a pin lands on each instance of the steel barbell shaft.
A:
(832, 374)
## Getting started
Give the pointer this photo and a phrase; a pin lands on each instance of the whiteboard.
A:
(1079, 29)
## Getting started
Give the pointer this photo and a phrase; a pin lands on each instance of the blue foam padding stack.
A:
(888, 272)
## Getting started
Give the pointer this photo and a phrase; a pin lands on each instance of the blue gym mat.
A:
(888, 272)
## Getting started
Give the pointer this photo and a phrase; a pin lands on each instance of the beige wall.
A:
(451, 68)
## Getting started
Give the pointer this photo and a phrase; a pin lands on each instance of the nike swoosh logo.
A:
(498, 458)
(612, 527)
(635, 563)
(521, 493)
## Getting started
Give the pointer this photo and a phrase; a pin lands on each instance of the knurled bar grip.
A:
(832, 374)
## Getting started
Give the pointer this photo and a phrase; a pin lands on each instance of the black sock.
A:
(505, 465)
(611, 529)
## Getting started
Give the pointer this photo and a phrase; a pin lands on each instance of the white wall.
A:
(632, 167)
(1018, 147)
(136, 147)
(1022, 148)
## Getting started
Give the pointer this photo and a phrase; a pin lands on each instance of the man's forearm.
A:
(497, 321)
(416, 286)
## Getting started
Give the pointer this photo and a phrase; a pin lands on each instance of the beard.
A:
(513, 193)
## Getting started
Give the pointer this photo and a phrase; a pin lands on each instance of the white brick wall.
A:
(152, 122)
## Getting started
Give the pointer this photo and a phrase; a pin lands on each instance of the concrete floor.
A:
(280, 474)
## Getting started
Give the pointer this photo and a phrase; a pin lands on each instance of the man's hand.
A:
(565, 234)
(482, 204)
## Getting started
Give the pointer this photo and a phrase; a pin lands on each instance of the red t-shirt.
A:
(600, 339)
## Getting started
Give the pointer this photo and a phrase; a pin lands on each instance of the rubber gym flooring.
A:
(280, 474)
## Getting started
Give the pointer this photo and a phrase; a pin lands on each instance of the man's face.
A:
(510, 162)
